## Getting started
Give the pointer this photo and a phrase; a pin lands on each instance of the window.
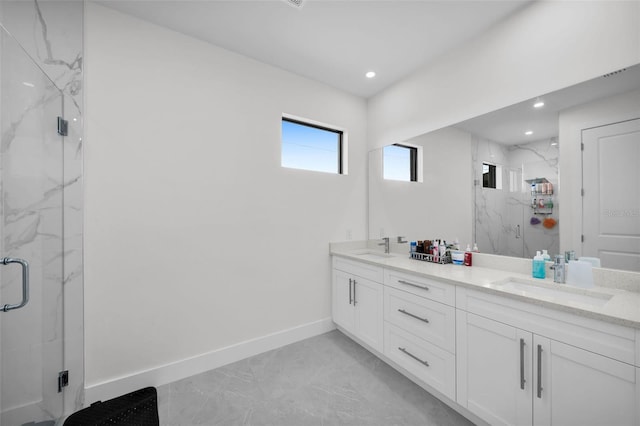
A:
(310, 146)
(400, 162)
(491, 176)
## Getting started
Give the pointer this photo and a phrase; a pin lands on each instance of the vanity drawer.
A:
(421, 286)
(426, 319)
(427, 362)
(361, 269)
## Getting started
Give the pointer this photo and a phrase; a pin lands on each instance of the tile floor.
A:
(324, 380)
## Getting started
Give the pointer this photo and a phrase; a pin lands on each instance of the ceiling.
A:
(332, 41)
(507, 125)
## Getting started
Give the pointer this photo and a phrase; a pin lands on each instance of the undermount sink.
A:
(371, 254)
(561, 293)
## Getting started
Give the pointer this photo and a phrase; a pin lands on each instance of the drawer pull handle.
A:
(413, 285)
(522, 380)
(354, 292)
(404, 350)
(402, 311)
(540, 371)
(350, 297)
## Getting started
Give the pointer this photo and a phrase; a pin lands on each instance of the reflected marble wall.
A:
(502, 216)
(51, 34)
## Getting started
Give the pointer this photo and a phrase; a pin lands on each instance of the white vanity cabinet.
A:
(494, 370)
(419, 330)
(513, 370)
(357, 300)
(505, 360)
(582, 388)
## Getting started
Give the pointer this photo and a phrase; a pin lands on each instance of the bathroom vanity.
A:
(494, 343)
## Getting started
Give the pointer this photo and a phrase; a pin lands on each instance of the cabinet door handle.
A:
(413, 315)
(539, 371)
(404, 350)
(522, 380)
(350, 298)
(354, 293)
(413, 285)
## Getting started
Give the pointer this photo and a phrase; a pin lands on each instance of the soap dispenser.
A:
(538, 266)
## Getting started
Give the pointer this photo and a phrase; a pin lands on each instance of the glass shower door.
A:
(31, 189)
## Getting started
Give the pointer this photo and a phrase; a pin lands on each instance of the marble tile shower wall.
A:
(51, 34)
(500, 212)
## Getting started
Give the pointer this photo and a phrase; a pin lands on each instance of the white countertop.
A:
(622, 308)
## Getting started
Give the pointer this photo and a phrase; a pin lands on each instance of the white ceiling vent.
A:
(295, 3)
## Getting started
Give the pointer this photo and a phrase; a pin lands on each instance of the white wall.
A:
(598, 113)
(544, 47)
(195, 237)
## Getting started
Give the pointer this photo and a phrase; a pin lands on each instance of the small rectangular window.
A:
(491, 176)
(400, 162)
(311, 147)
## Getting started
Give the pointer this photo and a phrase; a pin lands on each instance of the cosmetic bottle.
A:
(468, 256)
(475, 248)
(538, 270)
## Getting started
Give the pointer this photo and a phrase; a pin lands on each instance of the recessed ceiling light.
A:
(370, 74)
(538, 104)
(528, 132)
(26, 83)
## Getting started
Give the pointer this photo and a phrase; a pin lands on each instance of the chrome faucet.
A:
(385, 243)
(401, 240)
(559, 269)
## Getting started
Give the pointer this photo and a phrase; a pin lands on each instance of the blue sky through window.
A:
(310, 148)
(397, 163)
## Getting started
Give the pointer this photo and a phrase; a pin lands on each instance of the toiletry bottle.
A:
(456, 244)
(442, 250)
(538, 266)
(545, 255)
(434, 251)
(468, 256)
(475, 248)
(413, 247)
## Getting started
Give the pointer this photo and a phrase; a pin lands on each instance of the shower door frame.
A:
(32, 338)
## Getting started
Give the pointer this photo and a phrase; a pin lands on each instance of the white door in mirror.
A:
(611, 201)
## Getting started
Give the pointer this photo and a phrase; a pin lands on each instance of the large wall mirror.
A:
(517, 180)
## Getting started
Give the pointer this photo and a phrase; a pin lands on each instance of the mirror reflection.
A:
(499, 179)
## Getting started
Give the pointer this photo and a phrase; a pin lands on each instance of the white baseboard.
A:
(188, 367)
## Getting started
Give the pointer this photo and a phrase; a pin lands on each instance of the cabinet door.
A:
(494, 370)
(582, 388)
(367, 298)
(342, 300)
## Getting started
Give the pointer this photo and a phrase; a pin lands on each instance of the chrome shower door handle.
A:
(25, 284)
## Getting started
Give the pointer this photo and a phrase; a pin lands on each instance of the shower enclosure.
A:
(32, 376)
